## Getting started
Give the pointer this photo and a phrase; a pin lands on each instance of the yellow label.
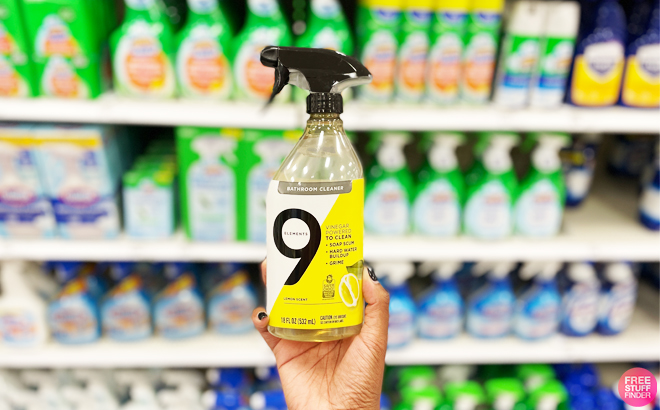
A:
(641, 83)
(315, 236)
(597, 75)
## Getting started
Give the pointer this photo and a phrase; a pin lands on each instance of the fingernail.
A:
(372, 274)
(262, 315)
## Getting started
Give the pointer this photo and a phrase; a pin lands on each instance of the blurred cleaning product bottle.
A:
(538, 307)
(377, 34)
(551, 395)
(179, 307)
(491, 188)
(316, 205)
(579, 166)
(580, 300)
(228, 378)
(436, 210)
(401, 330)
(126, 310)
(465, 395)
(142, 52)
(268, 400)
(73, 317)
(327, 27)
(413, 49)
(224, 400)
(482, 39)
(649, 202)
(414, 398)
(599, 56)
(16, 71)
(440, 309)
(618, 297)
(390, 186)
(539, 209)
(265, 25)
(445, 59)
(560, 30)
(490, 308)
(231, 302)
(641, 81)
(22, 311)
(534, 375)
(203, 45)
(504, 393)
(520, 53)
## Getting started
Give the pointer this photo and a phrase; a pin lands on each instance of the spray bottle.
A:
(579, 166)
(557, 46)
(142, 52)
(413, 49)
(126, 310)
(540, 206)
(265, 26)
(186, 392)
(436, 210)
(481, 42)
(203, 45)
(389, 188)
(231, 302)
(440, 310)
(377, 33)
(268, 400)
(99, 390)
(490, 308)
(401, 329)
(504, 393)
(465, 395)
(16, 70)
(520, 53)
(444, 66)
(224, 400)
(73, 316)
(141, 391)
(211, 190)
(649, 201)
(48, 390)
(315, 205)
(551, 395)
(580, 299)
(491, 188)
(22, 310)
(179, 307)
(617, 298)
(538, 307)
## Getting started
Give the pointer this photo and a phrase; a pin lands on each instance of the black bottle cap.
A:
(325, 103)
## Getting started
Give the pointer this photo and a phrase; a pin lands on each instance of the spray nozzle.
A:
(396, 273)
(542, 270)
(620, 272)
(440, 270)
(496, 270)
(582, 272)
(325, 73)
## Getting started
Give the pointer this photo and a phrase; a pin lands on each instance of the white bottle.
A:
(520, 53)
(22, 311)
(618, 297)
(557, 45)
(48, 386)
(212, 191)
(580, 300)
(99, 392)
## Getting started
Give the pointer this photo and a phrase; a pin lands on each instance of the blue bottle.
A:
(579, 163)
(179, 307)
(584, 401)
(126, 310)
(224, 400)
(607, 400)
(617, 298)
(228, 379)
(385, 402)
(268, 400)
(581, 290)
(649, 202)
(440, 310)
(490, 307)
(267, 378)
(538, 307)
(73, 316)
(231, 301)
(401, 328)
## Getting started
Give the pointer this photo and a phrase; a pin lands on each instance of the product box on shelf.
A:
(16, 75)
(81, 167)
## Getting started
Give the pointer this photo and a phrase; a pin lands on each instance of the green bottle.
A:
(539, 209)
(412, 398)
(142, 52)
(440, 187)
(505, 393)
(377, 33)
(202, 65)
(390, 187)
(534, 375)
(551, 395)
(327, 28)
(415, 377)
(413, 49)
(465, 395)
(16, 77)
(491, 188)
(265, 26)
(66, 41)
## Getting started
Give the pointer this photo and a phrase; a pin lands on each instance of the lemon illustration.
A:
(349, 290)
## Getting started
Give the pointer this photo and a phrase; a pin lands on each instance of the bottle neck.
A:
(329, 121)
(143, 9)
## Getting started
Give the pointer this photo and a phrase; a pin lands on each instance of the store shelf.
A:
(641, 342)
(112, 109)
(604, 228)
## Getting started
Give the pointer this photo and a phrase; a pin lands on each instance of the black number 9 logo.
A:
(305, 254)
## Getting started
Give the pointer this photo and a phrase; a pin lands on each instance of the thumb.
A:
(377, 313)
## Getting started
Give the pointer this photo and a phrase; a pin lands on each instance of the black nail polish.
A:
(262, 315)
(372, 274)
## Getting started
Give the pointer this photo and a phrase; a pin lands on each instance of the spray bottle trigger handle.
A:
(281, 79)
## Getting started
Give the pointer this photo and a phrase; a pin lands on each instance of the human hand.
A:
(343, 374)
